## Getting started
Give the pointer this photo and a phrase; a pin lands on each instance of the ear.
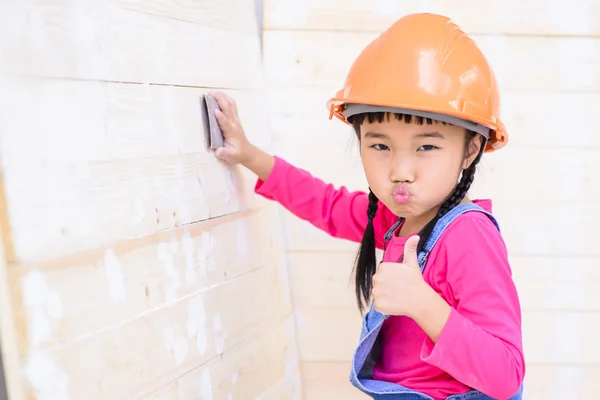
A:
(473, 149)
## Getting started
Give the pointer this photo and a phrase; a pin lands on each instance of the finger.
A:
(222, 120)
(223, 102)
(224, 154)
(232, 106)
(410, 252)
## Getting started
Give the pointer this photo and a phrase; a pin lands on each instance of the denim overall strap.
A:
(365, 354)
(443, 223)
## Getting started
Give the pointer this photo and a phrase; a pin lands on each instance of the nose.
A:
(402, 169)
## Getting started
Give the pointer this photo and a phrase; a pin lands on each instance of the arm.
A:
(480, 343)
(337, 211)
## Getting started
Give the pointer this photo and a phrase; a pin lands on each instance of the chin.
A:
(408, 210)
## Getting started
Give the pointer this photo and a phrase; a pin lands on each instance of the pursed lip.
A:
(401, 190)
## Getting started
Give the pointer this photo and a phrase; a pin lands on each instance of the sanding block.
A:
(212, 130)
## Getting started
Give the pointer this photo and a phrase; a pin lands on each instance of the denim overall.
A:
(365, 354)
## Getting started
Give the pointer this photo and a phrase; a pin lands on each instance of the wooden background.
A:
(136, 265)
(545, 185)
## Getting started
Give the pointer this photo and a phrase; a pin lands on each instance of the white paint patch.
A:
(47, 379)
(165, 257)
(234, 377)
(202, 263)
(242, 239)
(206, 385)
(177, 345)
(208, 246)
(114, 276)
(174, 244)
(220, 335)
(188, 251)
(196, 323)
(43, 307)
(230, 396)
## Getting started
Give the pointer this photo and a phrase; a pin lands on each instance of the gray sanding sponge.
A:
(212, 130)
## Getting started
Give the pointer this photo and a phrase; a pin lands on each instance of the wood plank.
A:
(136, 163)
(327, 333)
(138, 276)
(559, 381)
(529, 17)
(78, 121)
(545, 64)
(551, 119)
(135, 358)
(545, 283)
(569, 174)
(72, 210)
(255, 369)
(321, 278)
(549, 228)
(205, 13)
(555, 337)
(329, 380)
(113, 41)
(557, 283)
(526, 228)
(320, 340)
(11, 380)
(559, 298)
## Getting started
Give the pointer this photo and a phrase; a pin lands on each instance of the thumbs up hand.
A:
(399, 288)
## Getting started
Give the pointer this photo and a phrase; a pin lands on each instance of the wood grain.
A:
(263, 368)
(541, 120)
(114, 41)
(528, 17)
(136, 357)
(111, 162)
(545, 64)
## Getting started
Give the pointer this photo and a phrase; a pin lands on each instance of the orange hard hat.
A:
(425, 65)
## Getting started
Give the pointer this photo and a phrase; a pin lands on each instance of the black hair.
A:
(366, 262)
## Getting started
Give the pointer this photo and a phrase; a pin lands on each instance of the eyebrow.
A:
(433, 134)
(377, 135)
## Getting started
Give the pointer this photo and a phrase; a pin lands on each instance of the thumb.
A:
(410, 252)
(225, 154)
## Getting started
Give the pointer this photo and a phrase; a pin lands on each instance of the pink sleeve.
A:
(338, 212)
(481, 343)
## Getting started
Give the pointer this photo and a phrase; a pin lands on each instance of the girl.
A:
(444, 320)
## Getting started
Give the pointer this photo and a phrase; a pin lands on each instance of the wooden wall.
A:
(134, 264)
(545, 185)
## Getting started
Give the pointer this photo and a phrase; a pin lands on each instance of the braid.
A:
(366, 261)
(460, 191)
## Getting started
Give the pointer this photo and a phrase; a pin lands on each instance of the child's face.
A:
(425, 160)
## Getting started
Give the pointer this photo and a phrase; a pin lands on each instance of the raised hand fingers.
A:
(227, 105)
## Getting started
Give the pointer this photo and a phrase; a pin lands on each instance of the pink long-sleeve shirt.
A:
(480, 346)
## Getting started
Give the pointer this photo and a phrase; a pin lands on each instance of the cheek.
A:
(441, 174)
(372, 166)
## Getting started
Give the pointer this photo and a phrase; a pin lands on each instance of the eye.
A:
(427, 147)
(380, 147)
